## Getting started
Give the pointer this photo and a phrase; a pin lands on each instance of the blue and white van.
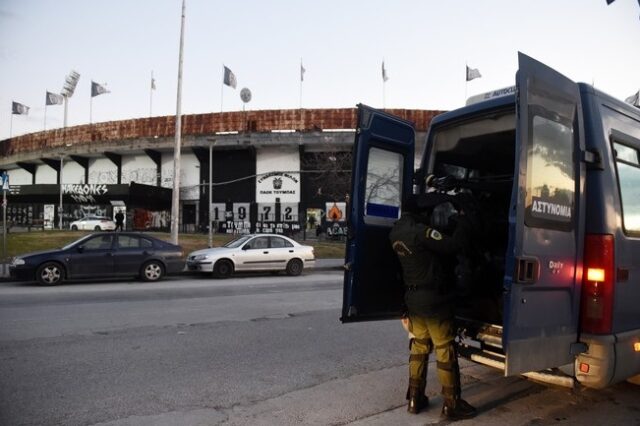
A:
(555, 168)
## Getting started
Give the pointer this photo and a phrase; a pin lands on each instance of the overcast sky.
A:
(425, 46)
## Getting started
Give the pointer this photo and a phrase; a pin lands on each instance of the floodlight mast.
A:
(69, 86)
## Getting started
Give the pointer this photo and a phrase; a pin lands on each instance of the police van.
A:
(554, 169)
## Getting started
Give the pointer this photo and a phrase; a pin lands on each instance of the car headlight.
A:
(17, 261)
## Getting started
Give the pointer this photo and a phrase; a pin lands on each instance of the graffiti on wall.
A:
(147, 175)
(21, 214)
(149, 219)
(80, 211)
(103, 176)
(84, 193)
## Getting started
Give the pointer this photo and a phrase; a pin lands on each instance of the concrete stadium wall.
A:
(149, 129)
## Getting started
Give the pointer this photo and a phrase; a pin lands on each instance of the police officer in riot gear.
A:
(426, 256)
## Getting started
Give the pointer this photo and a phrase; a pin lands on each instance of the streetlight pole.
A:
(210, 194)
(60, 207)
(175, 198)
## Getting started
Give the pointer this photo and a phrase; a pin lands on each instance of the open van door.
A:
(382, 174)
(542, 294)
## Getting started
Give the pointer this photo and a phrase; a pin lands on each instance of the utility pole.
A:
(175, 199)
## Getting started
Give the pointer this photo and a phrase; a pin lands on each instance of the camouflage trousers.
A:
(431, 334)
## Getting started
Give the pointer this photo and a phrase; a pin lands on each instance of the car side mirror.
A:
(80, 249)
(247, 247)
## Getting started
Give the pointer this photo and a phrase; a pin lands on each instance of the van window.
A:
(383, 187)
(628, 165)
(550, 176)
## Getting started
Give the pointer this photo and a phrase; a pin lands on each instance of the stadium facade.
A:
(280, 171)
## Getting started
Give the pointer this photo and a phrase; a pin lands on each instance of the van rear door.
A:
(542, 294)
(382, 174)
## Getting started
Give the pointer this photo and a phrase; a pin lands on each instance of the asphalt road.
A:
(255, 350)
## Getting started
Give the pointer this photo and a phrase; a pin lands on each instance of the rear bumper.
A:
(175, 267)
(609, 359)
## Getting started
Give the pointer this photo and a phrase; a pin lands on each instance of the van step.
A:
(552, 377)
(494, 361)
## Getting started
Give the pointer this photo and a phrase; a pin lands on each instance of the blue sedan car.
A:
(101, 255)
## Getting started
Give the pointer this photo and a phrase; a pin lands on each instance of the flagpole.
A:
(222, 88)
(45, 115)
(466, 82)
(301, 79)
(90, 109)
(11, 126)
(151, 96)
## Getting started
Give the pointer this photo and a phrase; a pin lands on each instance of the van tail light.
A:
(597, 284)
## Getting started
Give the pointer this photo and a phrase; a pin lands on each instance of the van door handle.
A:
(265, 252)
(527, 270)
(290, 251)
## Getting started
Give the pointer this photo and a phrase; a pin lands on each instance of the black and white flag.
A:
(54, 99)
(97, 89)
(385, 77)
(153, 83)
(473, 73)
(634, 99)
(229, 78)
(18, 108)
(302, 71)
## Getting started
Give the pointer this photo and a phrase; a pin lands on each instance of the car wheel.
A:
(152, 271)
(294, 267)
(97, 228)
(50, 273)
(74, 228)
(222, 269)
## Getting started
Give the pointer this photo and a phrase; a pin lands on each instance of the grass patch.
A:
(26, 242)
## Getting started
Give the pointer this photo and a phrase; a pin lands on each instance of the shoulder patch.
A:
(433, 234)
(401, 249)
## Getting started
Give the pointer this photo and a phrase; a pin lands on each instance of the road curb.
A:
(321, 265)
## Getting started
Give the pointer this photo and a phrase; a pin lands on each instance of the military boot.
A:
(458, 409)
(415, 394)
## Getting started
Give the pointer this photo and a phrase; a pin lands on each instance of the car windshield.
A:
(237, 242)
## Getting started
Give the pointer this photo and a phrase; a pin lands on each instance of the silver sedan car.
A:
(254, 252)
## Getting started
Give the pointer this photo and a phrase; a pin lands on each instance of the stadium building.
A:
(280, 171)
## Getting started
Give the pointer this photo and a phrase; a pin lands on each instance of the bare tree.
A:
(329, 173)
